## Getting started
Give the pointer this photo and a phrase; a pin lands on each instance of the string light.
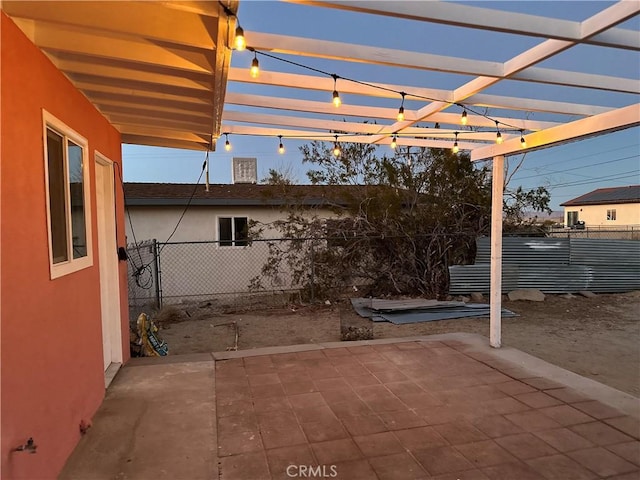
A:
(336, 148)
(240, 41)
(455, 148)
(281, 146)
(523, 142)
(499, 138)
(437, 125)
(336, 96)
(255, 66)
(394, 142)
(401, 109)
(463, 118)
(227, 145)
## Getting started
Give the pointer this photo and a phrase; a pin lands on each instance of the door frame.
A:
(108, 265)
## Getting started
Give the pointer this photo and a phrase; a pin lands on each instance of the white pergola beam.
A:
(368, 112)
(484, 19)
(313, 82)
(614, 120)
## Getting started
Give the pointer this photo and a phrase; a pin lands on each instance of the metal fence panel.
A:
(589, 251)
(526, 250)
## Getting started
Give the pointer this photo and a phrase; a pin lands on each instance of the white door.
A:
(108, 260)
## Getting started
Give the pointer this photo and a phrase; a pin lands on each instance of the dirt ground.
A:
(595, 337)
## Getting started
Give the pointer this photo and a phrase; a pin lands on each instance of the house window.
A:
(233, 231)
(611, 214)
(68, 198)
(572, 218)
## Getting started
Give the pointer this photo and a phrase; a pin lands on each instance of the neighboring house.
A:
(605, 207)
(79, 79)
(225, 264)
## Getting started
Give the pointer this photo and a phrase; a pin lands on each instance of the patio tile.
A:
(272, 404)
(541, 383)
(282, 436)
(537, 399)
(496, 378)
(227, 395)
(628, 425)
(496, 426)
(243, 466)
(630, 451)
(596, 409)
(240, 407)
(297, 388)
(485, 453)
(386, 376)
(409, 346)
(306, 400)
(324, 430)
(512, 471)
(325, 384)
(400, 466)
(351, 370)
(558, 467)
(566, 415)
(293, 376)
(340, 394)
(466, 475)
(401, 420)
(525, 446)
(567, 395)
(370, 358)
(506, 405)
(362, 380)
(265, 391)
(335, 451)
(361, 350)
(460, 432)
(532, 421)
(627, 476)
(354, 470)
(337, 352)
(371, 392)
(563, 439)
(258, 361)
(277, 419)
(237, 423)
(387, 403)
(600, 433)
(404, 388)
(419, 400)
(441, 460)
(602, 461)
(378, 444)
(281, 458)
(363, 424)
(311, 355)
(260, 369)
(317, 373)
(515, 387)
(318, 413)
(234, 443)
(441, 414)
(420, 438)
(350, 408)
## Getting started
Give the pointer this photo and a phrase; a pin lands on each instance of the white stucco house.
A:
(617, 207)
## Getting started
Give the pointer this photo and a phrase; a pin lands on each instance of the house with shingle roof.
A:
(605, 207)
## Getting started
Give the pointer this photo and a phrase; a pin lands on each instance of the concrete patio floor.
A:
(442, 407)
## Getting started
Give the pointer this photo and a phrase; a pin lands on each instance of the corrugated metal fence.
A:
(553, 265)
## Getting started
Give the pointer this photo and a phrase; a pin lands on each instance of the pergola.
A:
(159, 72)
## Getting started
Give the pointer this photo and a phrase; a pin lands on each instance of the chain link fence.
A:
(163, 274)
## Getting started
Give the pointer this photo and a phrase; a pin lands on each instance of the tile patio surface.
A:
(444, 408)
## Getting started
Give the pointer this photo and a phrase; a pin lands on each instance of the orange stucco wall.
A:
(51, 336)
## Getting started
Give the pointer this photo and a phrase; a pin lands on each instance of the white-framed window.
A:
(67, 197)
(611, 214)
(233, 231)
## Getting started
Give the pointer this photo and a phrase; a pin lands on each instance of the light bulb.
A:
(281, 146)
(455, 148)
(240, 41)
(400, 114)
(394, 142)
(523, 142)
(336, 150)
(499, 138)
(255, 68)
(463, 118)
(227, 146)
(336, 99)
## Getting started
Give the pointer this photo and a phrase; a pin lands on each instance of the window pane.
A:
(224, 232)
(76, 193)
(240, 227)
(55, 162)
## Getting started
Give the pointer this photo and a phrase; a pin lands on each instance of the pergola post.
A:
(495, 295)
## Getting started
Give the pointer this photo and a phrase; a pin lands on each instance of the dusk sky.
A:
(567, 170)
